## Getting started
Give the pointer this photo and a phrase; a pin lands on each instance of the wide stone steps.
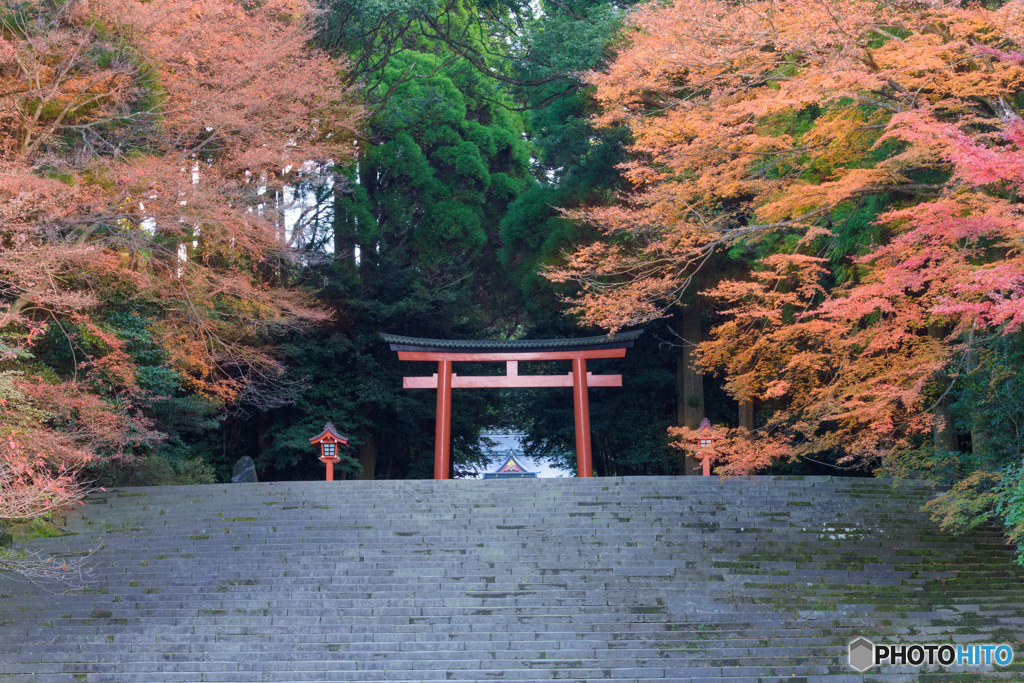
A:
(682, 579)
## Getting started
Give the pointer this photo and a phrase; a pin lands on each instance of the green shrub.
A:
(156, 470)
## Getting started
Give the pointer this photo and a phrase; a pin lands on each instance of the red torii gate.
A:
(448, 351)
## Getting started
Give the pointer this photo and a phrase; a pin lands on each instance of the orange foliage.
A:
(735, 452)
(31, 488)
(250, 91)
(48, 432)
(219, 112)
(758, 117)
(713, 93)
(137, 139)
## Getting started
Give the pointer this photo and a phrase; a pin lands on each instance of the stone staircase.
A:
(680, 579)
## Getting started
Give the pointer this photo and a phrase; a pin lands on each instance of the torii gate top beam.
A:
(413, 348)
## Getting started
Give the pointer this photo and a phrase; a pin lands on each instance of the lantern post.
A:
(329, 440)
(705, 440)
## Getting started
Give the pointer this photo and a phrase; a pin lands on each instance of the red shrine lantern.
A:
(329, 441)
(705, 440)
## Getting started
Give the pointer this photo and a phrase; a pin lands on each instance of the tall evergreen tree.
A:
(414, 250)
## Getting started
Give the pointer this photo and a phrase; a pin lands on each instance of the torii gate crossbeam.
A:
(511, 352)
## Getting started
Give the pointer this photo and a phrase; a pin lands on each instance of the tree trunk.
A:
(689, 380)
(368, 457)
(943, 433)
(978, 441)
(15, 310)
(747, 416)
(368, 180)
(979, 437)
(262, 427)
(344, 223)
(367, 451)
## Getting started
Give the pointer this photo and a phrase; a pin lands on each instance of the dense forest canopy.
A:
(209, 210)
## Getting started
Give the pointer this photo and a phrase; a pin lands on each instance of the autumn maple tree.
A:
(759, 124)
(139, 161)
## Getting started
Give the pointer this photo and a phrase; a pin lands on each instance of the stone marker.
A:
(244, 472)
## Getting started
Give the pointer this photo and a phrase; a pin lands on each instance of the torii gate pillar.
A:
(581, 410)
(446, 352)
(443, 431)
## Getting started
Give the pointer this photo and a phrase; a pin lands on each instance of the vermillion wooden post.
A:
(330, 470)
(442, 433)
(707, 464)
(511, 352)
(584, 464)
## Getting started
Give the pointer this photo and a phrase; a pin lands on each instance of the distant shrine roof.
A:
(509, 469)
(622, 340)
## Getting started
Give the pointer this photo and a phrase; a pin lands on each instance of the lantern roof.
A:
(329, 434)
(622, 340)
(705, 427)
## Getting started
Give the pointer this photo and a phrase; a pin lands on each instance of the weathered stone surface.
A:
(244, 472)
(636, 580)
